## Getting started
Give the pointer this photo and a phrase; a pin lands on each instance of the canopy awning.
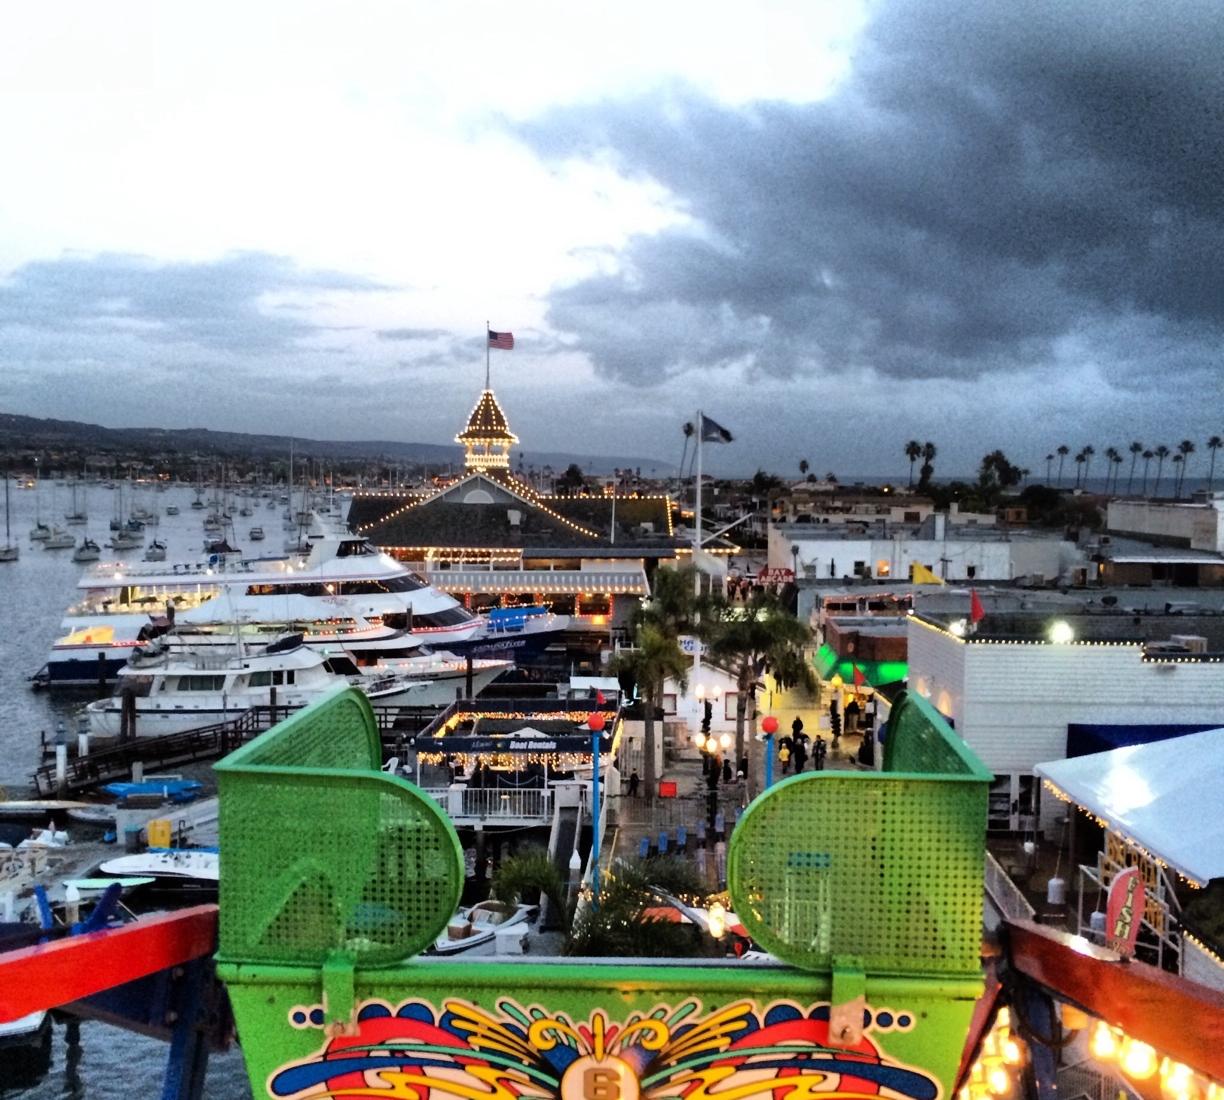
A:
(1164, 797)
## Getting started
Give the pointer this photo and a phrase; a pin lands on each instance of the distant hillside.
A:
(30, 432)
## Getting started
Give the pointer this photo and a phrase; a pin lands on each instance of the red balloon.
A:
(596, 721)
(770, 724)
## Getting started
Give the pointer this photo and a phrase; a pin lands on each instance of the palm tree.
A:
(749, 640)
(1185, 448)
(1162, 452)
(928, 464)
(1063, 450)
(804, 466)
(1080, 459)
(1049, 467)
(1147, 462)
(1213, 445)
(1136, 449)
(657, 657)
(1178, 461)
(1113, 458)
(1089, 451)
(913, 451)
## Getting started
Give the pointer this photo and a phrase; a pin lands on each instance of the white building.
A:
(1011, 692)
(889, 551)
(1195, 525)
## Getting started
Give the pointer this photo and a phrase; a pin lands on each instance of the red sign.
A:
(667, 788)
(1124, 911)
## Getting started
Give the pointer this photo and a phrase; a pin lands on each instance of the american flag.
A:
(503, 340)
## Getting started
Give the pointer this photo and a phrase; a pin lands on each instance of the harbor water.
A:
(109, 1064)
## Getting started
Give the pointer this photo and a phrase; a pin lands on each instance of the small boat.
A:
(476, 926)
(257, 534)
(123, 540)
(87, 551)
(156, 551)
(190, 867)
(173, 788)
(172, 509)
(40, 532)
(59, 540)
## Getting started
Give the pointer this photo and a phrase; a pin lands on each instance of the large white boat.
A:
(342, 575)
(172, 686)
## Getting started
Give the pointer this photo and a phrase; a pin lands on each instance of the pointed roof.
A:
(487, 423)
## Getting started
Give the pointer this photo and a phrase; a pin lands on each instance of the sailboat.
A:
(40, 532)
(9, 551)
(78, 515)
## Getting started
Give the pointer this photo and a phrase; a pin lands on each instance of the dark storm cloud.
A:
(220, 305)
(989, 182)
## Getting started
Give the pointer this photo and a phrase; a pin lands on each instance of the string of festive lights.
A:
(1128, 840)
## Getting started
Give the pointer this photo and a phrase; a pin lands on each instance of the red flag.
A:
(976, 611)
(859, 678)
(599, 697)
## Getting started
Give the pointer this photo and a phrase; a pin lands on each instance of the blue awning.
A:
(1085, 738)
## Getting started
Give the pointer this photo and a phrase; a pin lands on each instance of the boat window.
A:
(260, 679)
(341, 666)
(451, 616)
(201, 683)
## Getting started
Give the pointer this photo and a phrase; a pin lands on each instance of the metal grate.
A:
(886, 867)
(321, 852)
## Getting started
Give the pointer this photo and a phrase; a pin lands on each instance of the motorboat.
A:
(156, 551)
(172, 509)
(173, 685)
(256, 534)
(87, 551)
(342, 576)
(194, 869)
(59, 539)
(473, 929)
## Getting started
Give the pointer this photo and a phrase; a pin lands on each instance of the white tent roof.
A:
(1164, 796)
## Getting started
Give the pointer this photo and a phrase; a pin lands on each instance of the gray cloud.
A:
(411, 333)
(990, 183)
(219, 305)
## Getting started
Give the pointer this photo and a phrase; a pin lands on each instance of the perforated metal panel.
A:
(873, 866)
(319, 859)
(920, 741)
(884, 867)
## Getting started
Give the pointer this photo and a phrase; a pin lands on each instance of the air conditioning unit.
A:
(1193, 643)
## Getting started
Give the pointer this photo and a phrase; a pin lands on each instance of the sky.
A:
(831, 226)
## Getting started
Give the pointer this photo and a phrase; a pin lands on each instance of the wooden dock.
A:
(114, 761)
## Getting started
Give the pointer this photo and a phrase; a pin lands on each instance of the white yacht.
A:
(87, 551)
(342, 576)
(176, 687)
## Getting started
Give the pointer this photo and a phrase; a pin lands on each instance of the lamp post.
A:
(769, 726)
(596, 724)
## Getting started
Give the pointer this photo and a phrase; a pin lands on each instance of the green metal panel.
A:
(325, 859)
(887, 866)
(588, 1030)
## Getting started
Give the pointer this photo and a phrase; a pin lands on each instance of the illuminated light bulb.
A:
(990, 1045)
(1138, 1060)
(717, 917)
(1013, 1052)
(699, 740)
(1104, 1042)
(998, 1081)
(1176, 1081)
(1061, 633)
(1003, 1017)
(725, 741)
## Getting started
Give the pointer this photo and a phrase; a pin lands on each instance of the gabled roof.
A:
(487, 423)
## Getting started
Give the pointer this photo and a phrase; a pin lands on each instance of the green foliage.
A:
(619, 926)
(572, 481)
(528, 870)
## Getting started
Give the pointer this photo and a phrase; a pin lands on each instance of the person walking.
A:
(634, 783)
(797, 727)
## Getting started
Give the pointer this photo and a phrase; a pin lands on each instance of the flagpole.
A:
(697, 513)
(486, 355)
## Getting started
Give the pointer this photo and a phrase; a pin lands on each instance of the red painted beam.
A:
(57, 973)
(1179, 1018)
